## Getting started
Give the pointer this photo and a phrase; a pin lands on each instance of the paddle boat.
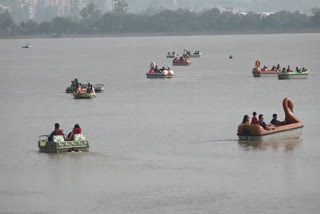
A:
(195, 54)
(75, 83)
(59, 144)
(258, 72)
(154, 72)
(183, 61)
(84, 94)
(27, 46)
(98, 88)
(172, 54)
(294, 75)
(290, 128)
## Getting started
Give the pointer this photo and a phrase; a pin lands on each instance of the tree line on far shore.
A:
(91, 21)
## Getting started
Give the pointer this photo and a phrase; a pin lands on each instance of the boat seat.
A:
(58, 138)
(78, 137)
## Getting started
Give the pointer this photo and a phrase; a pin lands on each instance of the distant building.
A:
(109, 5)
(4, 9)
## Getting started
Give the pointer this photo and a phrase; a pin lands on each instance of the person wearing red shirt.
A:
(76, 130)
(254, 119)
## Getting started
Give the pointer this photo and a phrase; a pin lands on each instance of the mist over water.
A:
(157, 146)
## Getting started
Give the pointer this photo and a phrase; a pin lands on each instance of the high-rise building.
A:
(109, 5)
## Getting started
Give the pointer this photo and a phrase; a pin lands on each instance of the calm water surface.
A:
(157, 146)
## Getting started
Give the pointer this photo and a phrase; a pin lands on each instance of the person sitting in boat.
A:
(56, 131)
(264, 68)
(278, 67)
(275, 120)
(273, 68)
(288, 69)
(254, 119)
(162, 69)
(283, 70)
(181, 59)
(173, 52)
(298, 70)
(304, 69)
(75, 130)
(246, 120)
(196, 52)
(169, 53)
(262, 123)
(156, 69)
(89, 88)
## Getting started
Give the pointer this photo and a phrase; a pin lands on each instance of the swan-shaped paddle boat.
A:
(164, 73)
(257, 72)
(290, 128)
(184, 61)
(59, 144)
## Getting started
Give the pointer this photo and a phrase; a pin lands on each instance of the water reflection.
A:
(286, 145)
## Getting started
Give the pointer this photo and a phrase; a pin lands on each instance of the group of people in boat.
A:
(171, 53)
(260, 121)
(284, 70)
(57, 131)
(76, 85)
(180, 59)
(157, 70)
(195, 52)
(298, 70)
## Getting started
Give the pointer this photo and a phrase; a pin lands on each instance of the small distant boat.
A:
(195, 54)
(27, 46)
(294, 75)
(182, 61)
(59, 144)
(84, 94)
(162, 73)
(230, 57)
(290, 128)
(172, 55)
(257, 72)
(98, 88)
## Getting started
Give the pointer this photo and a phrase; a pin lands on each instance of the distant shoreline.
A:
(157, 34)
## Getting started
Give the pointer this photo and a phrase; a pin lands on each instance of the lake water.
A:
(158, 146)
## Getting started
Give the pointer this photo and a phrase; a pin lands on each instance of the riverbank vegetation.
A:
(212, 21)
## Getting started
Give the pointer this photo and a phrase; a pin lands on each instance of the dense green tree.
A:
(90, 14)
(30, 27)
(6, 23)
(120, 6)
(65, 25)
(316, 19)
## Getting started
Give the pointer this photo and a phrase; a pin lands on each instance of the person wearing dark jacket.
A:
(56, 131)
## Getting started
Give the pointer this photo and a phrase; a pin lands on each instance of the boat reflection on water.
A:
(285, 144)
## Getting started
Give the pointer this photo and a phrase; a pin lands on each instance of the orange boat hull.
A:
(268, 73)
(256, 132)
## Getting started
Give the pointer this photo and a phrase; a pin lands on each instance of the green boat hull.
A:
(293, 75)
